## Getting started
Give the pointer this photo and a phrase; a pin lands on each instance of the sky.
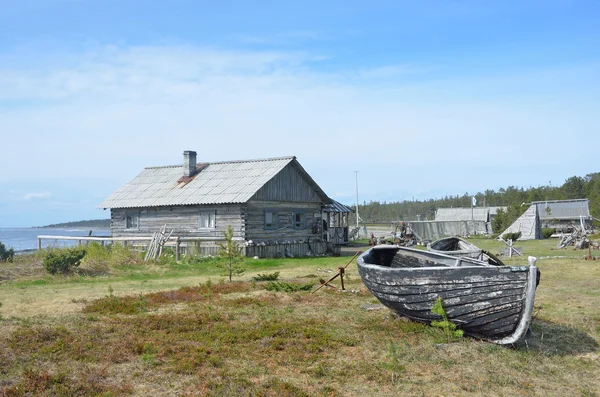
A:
(424, 99)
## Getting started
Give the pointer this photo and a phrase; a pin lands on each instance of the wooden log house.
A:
(273, 205)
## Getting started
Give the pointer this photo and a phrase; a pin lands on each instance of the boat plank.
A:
(442, 276)
(444, 291)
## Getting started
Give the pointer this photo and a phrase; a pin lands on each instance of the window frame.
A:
(274, 219)
(303, 223)
(135, 220)
(212, 214)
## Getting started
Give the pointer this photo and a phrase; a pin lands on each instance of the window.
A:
(299, 220)
(270, 219)
(207, 220)
(132, 221)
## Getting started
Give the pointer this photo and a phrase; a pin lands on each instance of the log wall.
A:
(255, 221)
(183, 220)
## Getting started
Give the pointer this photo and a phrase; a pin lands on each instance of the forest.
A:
(512, 197)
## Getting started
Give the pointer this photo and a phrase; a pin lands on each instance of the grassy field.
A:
(178, 329)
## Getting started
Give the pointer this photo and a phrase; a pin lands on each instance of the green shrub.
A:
(445, 324)
(6, 255)
(113, 255)
(547, 232)
(511, 236)
(112, 304)
(266, 276)
(287, 287)
(63, 260)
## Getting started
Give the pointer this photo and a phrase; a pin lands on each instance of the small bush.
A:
(547, 232)
(511, 236)
(266, 276)
(110, 256)
(112, 304)
(6, 255)
(287, 287)
(63, 260)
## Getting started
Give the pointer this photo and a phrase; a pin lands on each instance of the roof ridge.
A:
(227, 162)
(558, 201)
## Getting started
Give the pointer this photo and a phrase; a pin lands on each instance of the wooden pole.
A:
(39, 244)
(177, 246)
(342, 270)
(338, 274)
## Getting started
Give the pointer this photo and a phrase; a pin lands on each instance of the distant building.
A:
(463, 214)
(483, 214)
(562, 215)
(528, 224)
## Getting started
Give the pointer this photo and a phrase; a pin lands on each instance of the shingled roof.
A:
(214, 183)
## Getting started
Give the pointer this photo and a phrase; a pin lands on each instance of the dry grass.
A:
(239, 339)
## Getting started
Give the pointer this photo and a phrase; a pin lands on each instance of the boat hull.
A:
(485, 301)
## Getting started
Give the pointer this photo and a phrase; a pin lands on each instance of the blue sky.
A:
(424, 99)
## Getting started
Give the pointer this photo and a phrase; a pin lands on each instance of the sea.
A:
(25, 239)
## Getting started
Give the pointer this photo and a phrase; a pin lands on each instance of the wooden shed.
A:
(273, 205)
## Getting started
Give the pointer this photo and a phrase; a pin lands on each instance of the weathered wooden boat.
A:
(485, 301)
(456, 246)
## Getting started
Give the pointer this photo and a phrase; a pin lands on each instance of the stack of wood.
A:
(578, 239)
(354, 233)
(157, 243)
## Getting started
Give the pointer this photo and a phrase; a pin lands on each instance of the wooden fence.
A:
(280, 250)
(202, 246)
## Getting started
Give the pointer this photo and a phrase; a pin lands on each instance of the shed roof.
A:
(563, 209)
(336, 206)
(216, 183)
(462, 214)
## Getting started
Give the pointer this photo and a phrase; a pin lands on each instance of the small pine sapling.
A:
(232, 254)
(445, 324)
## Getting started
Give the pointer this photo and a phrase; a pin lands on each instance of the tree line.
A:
(512, 197)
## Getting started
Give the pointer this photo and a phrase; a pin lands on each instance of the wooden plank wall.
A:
(287, 185)
(183, 220)
(255, 221)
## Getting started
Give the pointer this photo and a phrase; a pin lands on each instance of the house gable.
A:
(292, 184)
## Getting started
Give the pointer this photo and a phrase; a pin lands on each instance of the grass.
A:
(176, 329)
(538, 248)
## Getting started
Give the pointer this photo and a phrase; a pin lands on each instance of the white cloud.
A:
(37, 195)
(111, 111)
